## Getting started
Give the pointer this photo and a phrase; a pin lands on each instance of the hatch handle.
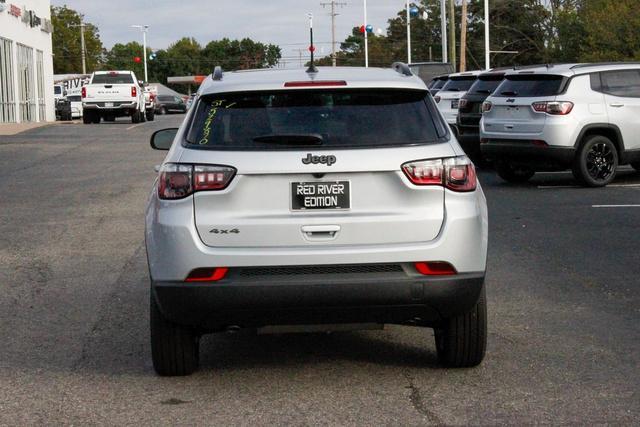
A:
(320, 232)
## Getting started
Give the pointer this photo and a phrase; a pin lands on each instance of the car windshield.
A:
(529, 86)
(333, 118)
(485, 86)
(112, 79)
(459, 85)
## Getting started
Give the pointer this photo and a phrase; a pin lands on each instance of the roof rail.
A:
(217, 73)
(603, 64)
(402, 68)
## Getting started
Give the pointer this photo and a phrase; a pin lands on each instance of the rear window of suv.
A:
(485, 85)
(112, 79)
(341, 118)
(527, 86)
(459, 85)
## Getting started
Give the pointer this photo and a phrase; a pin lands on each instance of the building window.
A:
(7, 100)
(42, 110)
(26, 86)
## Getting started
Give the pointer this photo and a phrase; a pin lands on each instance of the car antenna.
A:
(312, 68)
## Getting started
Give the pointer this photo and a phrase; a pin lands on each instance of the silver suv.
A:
(583, 117)
(294, 201)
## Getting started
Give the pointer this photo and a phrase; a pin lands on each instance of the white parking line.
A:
(578, 186)
(615, 206)
(135, 126)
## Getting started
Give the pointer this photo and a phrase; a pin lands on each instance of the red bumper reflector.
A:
(207, 274)
(435, 268)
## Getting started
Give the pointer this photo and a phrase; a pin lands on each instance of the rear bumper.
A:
(303, 300)
(100, 106)
(527, 152)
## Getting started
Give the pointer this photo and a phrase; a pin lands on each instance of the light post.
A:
(487, 51)
(144, 29)
(411, 11)
(366, 41)
(443, 31)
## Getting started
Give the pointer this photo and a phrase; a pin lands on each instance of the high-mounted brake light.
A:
(454, 173)
(178, 181)
(134, 92)
(312, 83)
(207, 274)
(84, 92)
(486, 106)
(555, 108)
(435, 268)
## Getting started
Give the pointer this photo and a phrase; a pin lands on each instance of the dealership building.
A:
(26, 61)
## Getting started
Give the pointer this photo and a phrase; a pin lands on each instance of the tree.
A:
(121, 57)
(67, 50)
(611, 30)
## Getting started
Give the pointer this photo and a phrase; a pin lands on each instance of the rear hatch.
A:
(470, 110)
(449, 96)
(512, 112)
(317, 167)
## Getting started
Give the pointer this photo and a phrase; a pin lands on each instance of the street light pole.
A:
(487, 51)
(144, 29)
(443, 30)
(408, 34)
(366, 41)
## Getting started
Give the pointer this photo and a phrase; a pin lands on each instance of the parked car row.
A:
(578, 117)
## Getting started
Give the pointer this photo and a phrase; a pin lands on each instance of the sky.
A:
(281, 22)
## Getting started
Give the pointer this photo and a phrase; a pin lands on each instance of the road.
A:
(562, 283)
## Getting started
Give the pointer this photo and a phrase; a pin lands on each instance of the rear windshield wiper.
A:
(509, 93)
(289, 138)
(483, 91)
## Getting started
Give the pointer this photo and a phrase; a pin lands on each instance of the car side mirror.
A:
(163, 139)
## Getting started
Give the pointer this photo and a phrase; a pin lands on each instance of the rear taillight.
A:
(177, 181)
(486, 106)
(435, 268)
(555, 108)
(437, 99)
(462, 104)
(84, 92)
(207, 274)
(454, 173)
(134, 92)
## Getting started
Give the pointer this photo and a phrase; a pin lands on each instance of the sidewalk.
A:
(7, 129)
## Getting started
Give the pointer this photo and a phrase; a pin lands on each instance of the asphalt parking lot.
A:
(562, 283)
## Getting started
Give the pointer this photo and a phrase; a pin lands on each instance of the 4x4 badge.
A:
(328, 160)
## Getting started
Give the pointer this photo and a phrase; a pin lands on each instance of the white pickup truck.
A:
(112, 94)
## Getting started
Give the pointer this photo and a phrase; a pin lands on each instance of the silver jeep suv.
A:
(583, 117)
(332, 200)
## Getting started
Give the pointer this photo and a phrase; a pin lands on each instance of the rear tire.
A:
(163, 111)
(95, 118)
(151, 115)
(461, 341)
(135, 117)
(512, 173)
(87, 117)
(174, 348)
(596, 161)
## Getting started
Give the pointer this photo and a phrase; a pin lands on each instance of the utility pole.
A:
(333, 5)
(452, 34)
(443, 30)
(463, 38)
(82, 47)
(300, 52)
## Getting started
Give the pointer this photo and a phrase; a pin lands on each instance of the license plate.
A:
(454, 104)
(108, 104)
(320, 195)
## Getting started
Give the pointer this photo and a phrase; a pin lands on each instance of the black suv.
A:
(470, 112)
